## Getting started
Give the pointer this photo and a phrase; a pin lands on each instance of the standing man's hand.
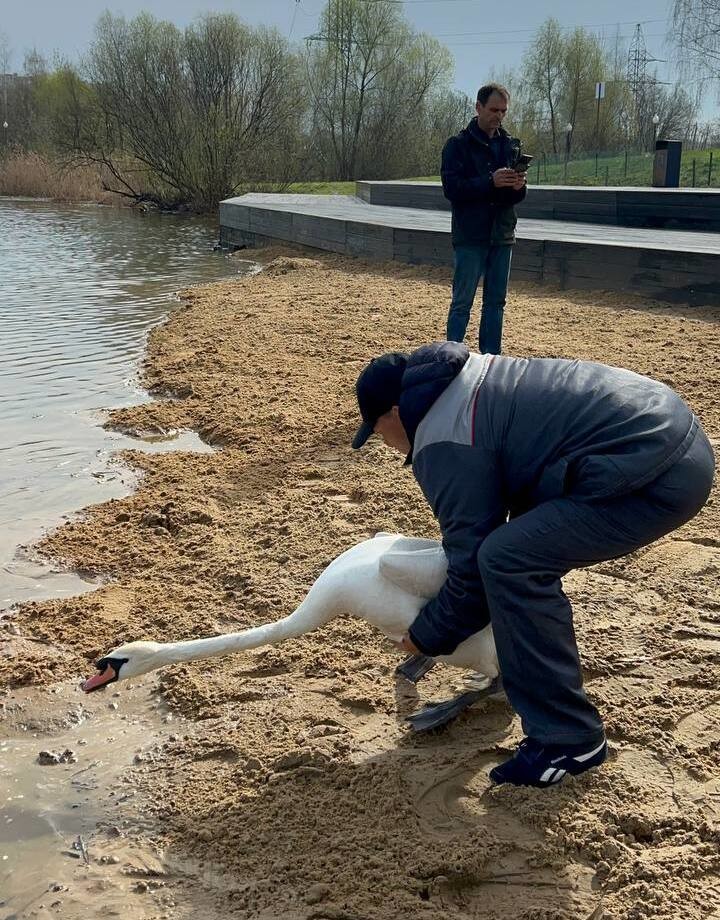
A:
(505, 178)
(406, 644)
(520, 181)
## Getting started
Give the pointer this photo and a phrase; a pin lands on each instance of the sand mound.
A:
(282, 265)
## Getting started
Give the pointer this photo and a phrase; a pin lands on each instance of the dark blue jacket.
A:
(494, 436)
(481, 213)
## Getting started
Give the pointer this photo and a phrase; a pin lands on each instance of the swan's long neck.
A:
(308, 616)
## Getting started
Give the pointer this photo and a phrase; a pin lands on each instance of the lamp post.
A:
(656, 122)
(568, 137)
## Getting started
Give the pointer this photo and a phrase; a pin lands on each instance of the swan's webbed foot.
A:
(439, 714)
(415, 667)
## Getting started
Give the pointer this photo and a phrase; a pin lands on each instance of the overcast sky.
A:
(482, 35)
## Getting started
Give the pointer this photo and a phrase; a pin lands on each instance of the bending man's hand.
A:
(406, 644)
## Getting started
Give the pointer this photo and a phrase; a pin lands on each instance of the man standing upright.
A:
(479, 180)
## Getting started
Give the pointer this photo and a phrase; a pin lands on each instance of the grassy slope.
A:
(611, 171)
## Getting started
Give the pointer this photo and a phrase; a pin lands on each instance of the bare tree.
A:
(676, 111)
(696, 35)
(368, 73)
(179, 117)
(412, 90)
(583, 67)
(544, 67)
(559, 89)
(443, 114)
(20, 128)
(343, 66)
(6, 52)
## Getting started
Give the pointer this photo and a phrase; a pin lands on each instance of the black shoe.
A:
(536, 764)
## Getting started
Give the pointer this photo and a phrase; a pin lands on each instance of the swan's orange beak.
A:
(98, 680)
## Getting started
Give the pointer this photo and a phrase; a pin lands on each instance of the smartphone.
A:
(522, 162)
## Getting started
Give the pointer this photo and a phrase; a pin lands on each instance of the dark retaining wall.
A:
(673, 209)
(674, 275)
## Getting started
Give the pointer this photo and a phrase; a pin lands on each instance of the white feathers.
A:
(386, 580)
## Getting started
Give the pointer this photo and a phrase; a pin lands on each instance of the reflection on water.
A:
(79, 288)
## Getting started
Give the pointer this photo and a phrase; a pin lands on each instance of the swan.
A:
(385, 580)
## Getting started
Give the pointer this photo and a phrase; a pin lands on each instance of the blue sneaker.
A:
(536, 764)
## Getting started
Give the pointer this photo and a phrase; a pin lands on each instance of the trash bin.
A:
(666, 168)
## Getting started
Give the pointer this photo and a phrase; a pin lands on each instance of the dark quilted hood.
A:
(430, 370)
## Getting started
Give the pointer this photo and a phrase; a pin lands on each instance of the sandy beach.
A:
(283, 782)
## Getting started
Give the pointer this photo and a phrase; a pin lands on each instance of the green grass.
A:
(614, 170)
(611, 170)
(339, 188)
(322, 188)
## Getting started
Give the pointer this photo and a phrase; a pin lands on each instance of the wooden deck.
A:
(672, 265)
(668, 208)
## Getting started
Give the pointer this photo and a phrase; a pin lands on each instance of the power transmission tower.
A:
(639, 79)
(637, 66)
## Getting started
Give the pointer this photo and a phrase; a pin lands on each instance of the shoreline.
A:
(50, 375)
(298, 792)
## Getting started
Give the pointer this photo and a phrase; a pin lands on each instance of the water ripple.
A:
(79, 290)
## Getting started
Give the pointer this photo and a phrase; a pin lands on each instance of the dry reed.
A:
(32, 175)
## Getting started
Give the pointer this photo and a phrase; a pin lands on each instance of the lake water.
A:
(80, 286)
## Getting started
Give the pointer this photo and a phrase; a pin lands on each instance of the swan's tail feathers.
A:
(416, 566)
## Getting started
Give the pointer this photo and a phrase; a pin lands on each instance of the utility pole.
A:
(5, 65)
(5, 110)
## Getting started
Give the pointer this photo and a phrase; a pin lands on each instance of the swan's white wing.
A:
(417, 566)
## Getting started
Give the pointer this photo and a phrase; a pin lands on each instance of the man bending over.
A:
(533, 467)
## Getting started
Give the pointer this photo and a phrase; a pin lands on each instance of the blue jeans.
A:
(471, 264)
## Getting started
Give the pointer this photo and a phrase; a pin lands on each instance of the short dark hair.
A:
(486, 91)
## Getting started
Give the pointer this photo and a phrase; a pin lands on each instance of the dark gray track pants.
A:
(522, 564)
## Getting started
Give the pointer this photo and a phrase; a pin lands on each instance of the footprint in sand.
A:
(701, 729)
(356, 497)
(441, 804)
(706, 635)
(454, 805)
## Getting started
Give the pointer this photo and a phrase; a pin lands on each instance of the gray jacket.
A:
(505, 434)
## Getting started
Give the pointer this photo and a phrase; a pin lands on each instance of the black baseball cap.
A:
(378, 390)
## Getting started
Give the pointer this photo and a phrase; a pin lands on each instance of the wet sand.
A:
(294, 789)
